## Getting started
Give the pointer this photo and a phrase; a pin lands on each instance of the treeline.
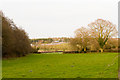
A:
(42, 40)
(15, 41)
(49, 40)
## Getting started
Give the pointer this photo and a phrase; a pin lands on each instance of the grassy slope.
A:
(62, 66)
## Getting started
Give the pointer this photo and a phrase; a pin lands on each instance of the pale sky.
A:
(58, 18)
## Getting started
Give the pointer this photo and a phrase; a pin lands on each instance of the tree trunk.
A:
(84, 50)
(101, 50)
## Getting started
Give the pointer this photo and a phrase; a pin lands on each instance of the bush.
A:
(34, 50)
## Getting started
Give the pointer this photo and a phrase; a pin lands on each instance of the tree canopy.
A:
(15, 41)
(102, 30)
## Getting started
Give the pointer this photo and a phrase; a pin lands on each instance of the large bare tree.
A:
(102, 30)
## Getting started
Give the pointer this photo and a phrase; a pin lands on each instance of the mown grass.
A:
(89, 65)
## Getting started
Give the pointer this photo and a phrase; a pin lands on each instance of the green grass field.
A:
(91, 65)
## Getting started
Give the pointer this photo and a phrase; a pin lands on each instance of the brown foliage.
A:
(15, 41)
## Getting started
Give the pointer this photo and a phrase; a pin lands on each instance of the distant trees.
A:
(15, 42)
(82, 38)
(49, 40)
(97, 36)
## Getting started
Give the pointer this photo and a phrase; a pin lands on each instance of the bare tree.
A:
(102, 30)
(82, 37)
(76, 43)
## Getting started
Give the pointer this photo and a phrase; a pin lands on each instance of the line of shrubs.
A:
(65, 52)
(89, 51)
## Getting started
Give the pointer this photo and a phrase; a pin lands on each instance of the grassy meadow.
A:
(89, 65)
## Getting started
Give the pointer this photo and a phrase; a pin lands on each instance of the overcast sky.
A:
(58, 18)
